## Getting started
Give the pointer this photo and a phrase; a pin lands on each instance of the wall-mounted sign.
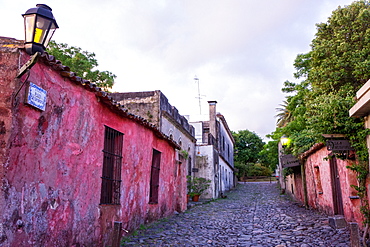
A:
(289, 160)
(36, 97)
(338, 145)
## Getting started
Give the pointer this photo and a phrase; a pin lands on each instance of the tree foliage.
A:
(268, 156)
(247, 146)
(257, 169)
(332, 72)
(340, 51)
(284, 115)
(82, 63)
(336, 67)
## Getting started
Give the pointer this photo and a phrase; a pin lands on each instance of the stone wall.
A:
(149, 105)
(143, 104)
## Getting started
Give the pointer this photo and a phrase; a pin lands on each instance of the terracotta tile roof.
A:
(104, 97)
(312, 150)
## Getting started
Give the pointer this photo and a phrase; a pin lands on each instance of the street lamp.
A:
(284, 141)
(39, 26)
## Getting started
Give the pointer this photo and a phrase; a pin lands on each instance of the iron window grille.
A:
(154, 177)
(112, 162)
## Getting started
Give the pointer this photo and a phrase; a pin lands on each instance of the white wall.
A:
(226, 144)
(198, 126)
(186, 143)
(226, 176)
(206, 169)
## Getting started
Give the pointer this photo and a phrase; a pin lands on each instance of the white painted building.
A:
(214, 153)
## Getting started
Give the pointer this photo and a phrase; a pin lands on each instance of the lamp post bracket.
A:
(28, 65)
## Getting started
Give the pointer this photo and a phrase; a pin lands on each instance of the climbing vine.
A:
(362, 170)
(361, 167)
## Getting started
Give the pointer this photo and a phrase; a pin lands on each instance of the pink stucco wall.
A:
(320, 188)
(294, 184)
(53, 165)
(318, 175)
(351, 206)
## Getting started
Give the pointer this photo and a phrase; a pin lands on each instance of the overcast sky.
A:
(240, 50)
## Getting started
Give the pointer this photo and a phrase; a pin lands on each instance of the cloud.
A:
(241, 50)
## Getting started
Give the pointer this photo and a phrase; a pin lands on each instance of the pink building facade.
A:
(324, 183)
(82, 171)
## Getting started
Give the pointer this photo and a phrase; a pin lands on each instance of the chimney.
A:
(212, 117)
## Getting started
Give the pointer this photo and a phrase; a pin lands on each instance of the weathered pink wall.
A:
(298, 186)
(8, 67)
(319, 186)
(51, 183)
(319, 189)
(351, 206)
(294, 185)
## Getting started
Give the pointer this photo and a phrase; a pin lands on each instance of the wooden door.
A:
(335, 184)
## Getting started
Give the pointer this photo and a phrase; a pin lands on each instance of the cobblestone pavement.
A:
(254, 214)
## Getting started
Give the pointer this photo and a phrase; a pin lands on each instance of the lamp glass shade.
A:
(40, 26)
(29, 23)
(284, 140)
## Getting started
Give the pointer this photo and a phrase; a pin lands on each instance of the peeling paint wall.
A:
(155, 107)
(8, 69)
(186, 142)
(319, 184)
(52, 167)
(294, 185)
(319, 187)
(207, 167)
(144, 104)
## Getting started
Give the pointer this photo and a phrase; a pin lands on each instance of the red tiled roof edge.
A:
(312, 150)
(104, 97)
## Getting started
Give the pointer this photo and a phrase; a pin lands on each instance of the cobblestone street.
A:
(254, 214)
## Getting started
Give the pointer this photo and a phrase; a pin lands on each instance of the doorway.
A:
(336, 189)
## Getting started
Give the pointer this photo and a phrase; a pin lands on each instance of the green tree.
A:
(242, 170)
(341, 49)
(284, 115)
(82, 63)
(258, 169)
(268, 156)
(336, 67)
(247, 146)
(332, 72)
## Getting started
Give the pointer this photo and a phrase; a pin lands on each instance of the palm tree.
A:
(284, 115)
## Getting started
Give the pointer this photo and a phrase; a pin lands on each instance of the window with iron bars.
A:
(154, 177)
(112, 162)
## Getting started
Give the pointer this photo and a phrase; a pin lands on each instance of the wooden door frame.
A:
(335, 185)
